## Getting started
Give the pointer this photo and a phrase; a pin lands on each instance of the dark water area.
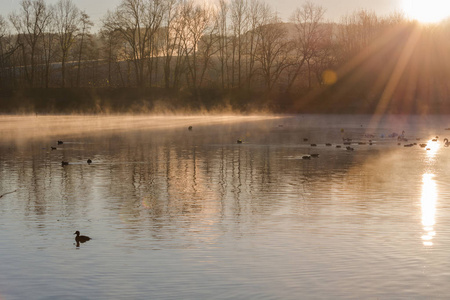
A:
(192, 214)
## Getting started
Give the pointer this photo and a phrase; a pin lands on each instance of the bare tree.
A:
(197, 30)
(85, 27)
(30, 24)
(309, 35)
(238, 28)
(356, 32)
(221, 24)
(49, 46)
(171, 40)
(274, 47)
(137, 21)
(7, 49)
(110, 48)
(254, 12)
(67, 22)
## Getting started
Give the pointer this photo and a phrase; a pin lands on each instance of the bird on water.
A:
(81, 238)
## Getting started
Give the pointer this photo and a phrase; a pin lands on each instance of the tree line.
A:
(182, 45)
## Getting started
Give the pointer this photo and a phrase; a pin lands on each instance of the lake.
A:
(175, 213)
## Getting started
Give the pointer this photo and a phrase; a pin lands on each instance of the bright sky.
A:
(96, 9)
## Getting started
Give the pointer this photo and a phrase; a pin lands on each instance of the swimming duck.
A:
(239, 141)
(60, 142)
(89, 161)
(306, 157)
(349, 148)
(64, 163)
(446, 142)
(314, 154)
(328, 144)
(81, 238)
(313, 145)
(53, 148)
(190, 128)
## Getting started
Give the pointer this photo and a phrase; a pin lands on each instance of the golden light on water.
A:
(432, 148)
(427, 11)
(428, 203)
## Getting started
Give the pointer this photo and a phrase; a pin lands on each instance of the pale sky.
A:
(96, 9)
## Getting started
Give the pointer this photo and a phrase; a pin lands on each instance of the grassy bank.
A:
(332, 99)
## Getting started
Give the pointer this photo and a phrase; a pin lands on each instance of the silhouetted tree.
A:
(30, 23)
(67, 22)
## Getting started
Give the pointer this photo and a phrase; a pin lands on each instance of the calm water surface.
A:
(178, 214)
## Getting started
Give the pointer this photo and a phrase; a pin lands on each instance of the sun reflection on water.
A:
(428, 201)
(432, 148)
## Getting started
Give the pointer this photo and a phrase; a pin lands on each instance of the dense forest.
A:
(159, 55)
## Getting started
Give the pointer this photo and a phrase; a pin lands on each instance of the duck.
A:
(305, 139)
(190, 128)
(328, 144)
(423, 145)
(306, 157)
(239, 141)
(53, 148)
(349, 148)
(313, 145)
(446, 142)
(89, 161)
(314, 154)
(81, 238)
(64, 163)
(60, 142)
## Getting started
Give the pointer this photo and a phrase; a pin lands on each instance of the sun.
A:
(427, 11)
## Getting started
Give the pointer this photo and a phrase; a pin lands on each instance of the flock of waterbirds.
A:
(347, 142)
(66, 163)
(368, 140)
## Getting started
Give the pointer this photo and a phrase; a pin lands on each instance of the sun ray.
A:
(398, 71)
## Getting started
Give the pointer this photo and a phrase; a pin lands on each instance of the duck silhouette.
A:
(81, 238)
(89, 161)
(64, 163)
